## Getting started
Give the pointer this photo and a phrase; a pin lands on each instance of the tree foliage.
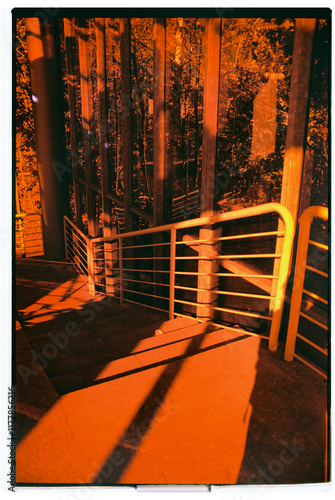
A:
(26, 162)
(253, 51)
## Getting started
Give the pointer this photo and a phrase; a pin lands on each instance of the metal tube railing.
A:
(299, 277)
(166, 275)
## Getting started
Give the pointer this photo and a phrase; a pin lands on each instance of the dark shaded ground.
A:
(286, 440)
(287, 429)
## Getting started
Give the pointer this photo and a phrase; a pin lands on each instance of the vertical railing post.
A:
(121, 270)
(283, 273)
(172, 272)
(65, 239)
(90, 267)
(299, 276)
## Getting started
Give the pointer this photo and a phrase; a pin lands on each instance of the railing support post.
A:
(283, 274)
(65, 239)
(207, 284)
(172, 271)
(299, 276)
(121, 270)
(90, 267)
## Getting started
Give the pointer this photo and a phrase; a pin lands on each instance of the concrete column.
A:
(86, 112)
(110, 249)
(209, 283)
(297, 114)
(127, 146)
(49, 133)
(69, 56)
(297, 125)
(159, 121)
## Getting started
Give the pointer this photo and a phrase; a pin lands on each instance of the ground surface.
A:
(102, 399)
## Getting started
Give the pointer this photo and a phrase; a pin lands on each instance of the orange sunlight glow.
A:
(196, 432)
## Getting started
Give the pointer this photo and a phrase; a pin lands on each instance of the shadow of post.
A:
(131, 439)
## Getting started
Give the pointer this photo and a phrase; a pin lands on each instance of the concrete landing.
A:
(104, 400)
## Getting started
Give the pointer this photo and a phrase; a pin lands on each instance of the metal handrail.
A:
(120, 245)
(213, 219)
(299, 278)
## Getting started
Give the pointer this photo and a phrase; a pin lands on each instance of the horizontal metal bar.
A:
(145, 305)
(247, 295)
(321, 273)
(75, 255)
(221, 292)
(314, 296)
(146, 294)
(227, 275)
(318, 244)
(242, 313)
(310, 365)
(188, 303)
(315, 321)
(80, 251)
(324, 351)
(145, 246)
(76, 229)
(80, 262)
(78, 239)
(238, 256)
(146, 282)
(211, 219)
(234, 237)
(85, 272)
(146, 258)
(146, 270)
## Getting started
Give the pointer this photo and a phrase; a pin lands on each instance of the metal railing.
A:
(186, 206)
(302, 258)
(179, 267)
(76, 245)
(28, 235)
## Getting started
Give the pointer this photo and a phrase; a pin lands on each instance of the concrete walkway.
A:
(103, 400)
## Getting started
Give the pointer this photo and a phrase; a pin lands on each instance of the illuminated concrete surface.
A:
(109, 402)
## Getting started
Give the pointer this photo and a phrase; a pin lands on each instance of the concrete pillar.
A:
(297, 114)
(127, 146)
(297, 125)
(208, 284)
(49, 133)
(86, 112)
(159, 121)
(69, 57)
